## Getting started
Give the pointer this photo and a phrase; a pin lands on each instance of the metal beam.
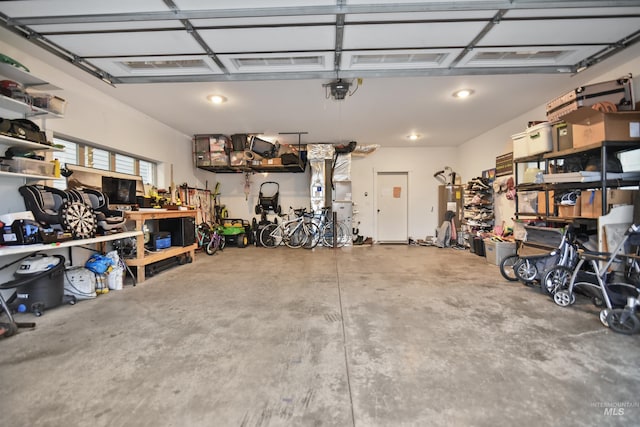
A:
(325, 75)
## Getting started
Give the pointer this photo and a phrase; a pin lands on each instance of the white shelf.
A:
(17, 142)
(23, 249)
(25, 109)
(25, 175)
(24, 77)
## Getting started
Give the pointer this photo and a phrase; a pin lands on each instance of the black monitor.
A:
(120, 191)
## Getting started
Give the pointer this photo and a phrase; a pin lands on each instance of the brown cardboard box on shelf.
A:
(590, 126)
(542, 203)
(591, 200)
(570, 211)
(272, 162)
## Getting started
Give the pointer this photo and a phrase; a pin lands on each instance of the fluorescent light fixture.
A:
(463, 93)
(217, 99)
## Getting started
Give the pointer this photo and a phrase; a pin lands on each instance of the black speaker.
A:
(183, 230)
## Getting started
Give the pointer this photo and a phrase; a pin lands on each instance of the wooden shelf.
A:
(150, 258)
(142, 257)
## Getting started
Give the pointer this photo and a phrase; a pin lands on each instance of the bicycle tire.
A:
(507, 267)
(271, 236)
(297, 237)
(313, 235)
(341, 233)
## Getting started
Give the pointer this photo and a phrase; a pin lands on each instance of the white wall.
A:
(421, 164)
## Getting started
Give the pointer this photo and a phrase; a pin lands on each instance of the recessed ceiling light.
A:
(463, 93)
(413, 137)
(217, 99)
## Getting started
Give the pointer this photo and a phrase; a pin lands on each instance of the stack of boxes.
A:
(580, 119)
(210, 150)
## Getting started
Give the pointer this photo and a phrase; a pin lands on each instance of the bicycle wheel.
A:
(556, 279)
(208, 243)
(297, 237)
(339, 233)
(271, 236)
(507, 267)
(313, 237)
(215, 242)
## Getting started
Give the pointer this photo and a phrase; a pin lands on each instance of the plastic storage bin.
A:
(520, 145)
(29, 166)
(495, 252)
(539, 139)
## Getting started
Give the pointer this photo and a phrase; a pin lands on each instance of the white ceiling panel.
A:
(121, 44)
(560, 31)
(272, 39)
(398, 59)
(157, 66)
(583, 11)
(529, 56)
(248, 4)
(417, 16)
(278, 63)
(410, 35)
(23, 8)
(350, 2)
(264, 20)
(105, 26)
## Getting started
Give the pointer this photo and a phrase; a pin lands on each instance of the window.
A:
(96, 158)
(76, 153)
(124, 164)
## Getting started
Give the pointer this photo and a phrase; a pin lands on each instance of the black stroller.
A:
(617, 292)
(267, 203)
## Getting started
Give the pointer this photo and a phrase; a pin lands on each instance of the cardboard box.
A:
(570, 211)
(272, 162)
(590, 126)
(562, 136)
(542, 203)
(591, 201)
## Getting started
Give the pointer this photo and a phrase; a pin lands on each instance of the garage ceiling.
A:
(273, 60)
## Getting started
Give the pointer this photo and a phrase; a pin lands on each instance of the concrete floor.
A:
(362, 336)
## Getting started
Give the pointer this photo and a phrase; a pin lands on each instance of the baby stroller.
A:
(594, 277)
(531, 269)
(267, 203)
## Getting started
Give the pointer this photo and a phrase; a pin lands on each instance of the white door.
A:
(392, 209)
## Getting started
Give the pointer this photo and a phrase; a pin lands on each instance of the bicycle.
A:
(330, 232)
(293, 232)
(209, 239)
